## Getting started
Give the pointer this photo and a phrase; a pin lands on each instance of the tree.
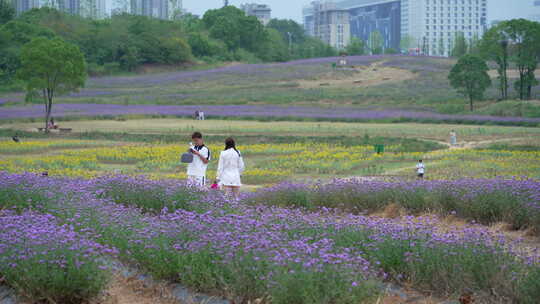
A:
(284, 27)
(275, 48)
(7, 13)
(469, 76)
(13, 35)
(233, 27)
(406, 42)
(474, 46)
(375, 43)
(52, 67)
(190, 23)
(460, 45)
(494, 46)
(356, 47)
(441, 49)
(524, 38)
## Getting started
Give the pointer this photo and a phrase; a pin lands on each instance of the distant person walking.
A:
(420, 169)
(196, 170)
(201, 115)
(230, 168)
(453, 138)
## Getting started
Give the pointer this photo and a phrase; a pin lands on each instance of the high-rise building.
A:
(71, 6)
(151, 8)
(433, 25)
(368, 16)
(535, 11)
(263, 12)
(365, 18)
(22, 6)
(88, 8)
(95, 9)
(428, 26)
(328, 22)
(118, 7)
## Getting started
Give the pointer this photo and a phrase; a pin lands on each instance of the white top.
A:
(420, 168)
(230, 167)
(197, 167)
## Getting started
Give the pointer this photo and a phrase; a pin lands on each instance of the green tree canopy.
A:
(406, 42)
(375, 43)
(441, 47)
(7, 13)
(524, 37)
(52, 67)
(285, 26)
(274, 48)
(124, 42)
(494, 46)
(13, 35)
(469, 76)
(460, 45)
(237, 30)
(356, 47)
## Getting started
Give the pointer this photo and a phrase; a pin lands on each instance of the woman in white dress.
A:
(230, 168)
(453, 138)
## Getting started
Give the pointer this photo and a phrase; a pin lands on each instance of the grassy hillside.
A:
(371, 82)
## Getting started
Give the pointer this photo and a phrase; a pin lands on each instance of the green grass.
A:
(281, 85)
(161, 129)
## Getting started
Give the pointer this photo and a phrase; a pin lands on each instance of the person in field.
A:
(420, 169)
(230, 168)
(196, 170)
(52, 124)
(453, 138)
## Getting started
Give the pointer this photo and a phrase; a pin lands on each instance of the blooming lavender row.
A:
(292, 255)
(47, 261)
(240, 70)
(485, 200)
(252, 111)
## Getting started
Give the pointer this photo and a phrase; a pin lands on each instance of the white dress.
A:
(230, 167)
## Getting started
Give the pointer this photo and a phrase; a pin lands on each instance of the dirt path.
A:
(459, 146)
(372, 75)
(476, 144)
(133, 291)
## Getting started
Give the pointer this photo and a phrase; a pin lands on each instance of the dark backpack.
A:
(186, 158)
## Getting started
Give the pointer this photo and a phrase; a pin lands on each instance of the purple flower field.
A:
(256, 112)
(487, 201)
(238, 70)
(34, 247)
(246, 251)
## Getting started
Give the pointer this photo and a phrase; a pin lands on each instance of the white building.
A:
(162, 9)
(535, 11)
(328, 22)
(432, 25)
(263, 12)
(88, 8)
(95, 9)
(22, 6)
(118, 7)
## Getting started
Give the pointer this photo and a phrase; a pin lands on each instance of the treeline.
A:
(515, 44)
(510, 44)
(125, 42)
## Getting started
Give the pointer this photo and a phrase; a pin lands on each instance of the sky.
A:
(292, 9)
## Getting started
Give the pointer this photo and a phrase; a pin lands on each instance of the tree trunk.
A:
(48, 109)
(471, 102)
(530, 81)
(505, 79)
(46, 101)
(522, 83)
